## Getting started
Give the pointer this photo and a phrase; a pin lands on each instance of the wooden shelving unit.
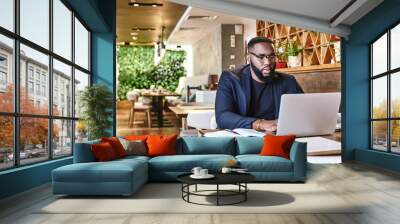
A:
(320, 51)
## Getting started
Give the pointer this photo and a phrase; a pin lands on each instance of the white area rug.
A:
(166, 198)
(324, 159)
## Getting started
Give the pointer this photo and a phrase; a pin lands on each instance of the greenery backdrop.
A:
(137, 69)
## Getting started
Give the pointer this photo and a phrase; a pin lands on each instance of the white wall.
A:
(250, 30)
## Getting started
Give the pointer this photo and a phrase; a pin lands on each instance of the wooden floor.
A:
(378, 189)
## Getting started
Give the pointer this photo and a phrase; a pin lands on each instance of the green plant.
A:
(167, 73)
(97, 102)
(137, 69)
(292, 48)
(136, 65)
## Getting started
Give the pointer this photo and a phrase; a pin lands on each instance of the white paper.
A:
(235, 132)
(222, 133)
(249, 132)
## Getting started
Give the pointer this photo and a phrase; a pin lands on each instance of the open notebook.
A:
(235, 132)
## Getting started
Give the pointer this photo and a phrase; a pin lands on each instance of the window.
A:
(81, 82)
(45, 131)
(44, 77)
(55, 101)
(6, 142)
(33, 148)
(38, 89)
(6, 73)
(44, 91)
(30, 87)
(30, 72)
(3, 78)
(35, 21)
(62, 140)
(62, 74)
(37, 74)
(81, 45)
(7, 14)
(62, 29)
(385, 94)
(3, 61)
(3, 81)
(3, 72)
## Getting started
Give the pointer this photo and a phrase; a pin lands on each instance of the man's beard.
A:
(266, 79)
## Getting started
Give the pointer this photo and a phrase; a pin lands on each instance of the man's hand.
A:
(265, 125)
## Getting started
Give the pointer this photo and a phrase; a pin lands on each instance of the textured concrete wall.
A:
(207, 54)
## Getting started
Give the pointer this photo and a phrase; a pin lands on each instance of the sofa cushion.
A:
(134, 147)
(275, 145)
(103, 152)
(257, 163)
(206, 145)
(161, 145)
(136, 138)
(185, 163)
(116, 145)
(112, 171)
(249, 145)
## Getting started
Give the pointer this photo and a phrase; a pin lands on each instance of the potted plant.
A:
(293, 51)
(97, 102)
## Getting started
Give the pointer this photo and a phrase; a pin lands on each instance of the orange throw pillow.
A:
(159, 145)
(136, 137)
(277, 145)
(103, 152)
(116, 145)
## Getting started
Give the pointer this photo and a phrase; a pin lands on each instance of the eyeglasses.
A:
(262, 56)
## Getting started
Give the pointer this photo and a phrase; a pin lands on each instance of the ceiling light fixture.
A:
(161, 45)
(134, 34)
(143, 28)
(145, 4)
(211, 18)
(134, 38)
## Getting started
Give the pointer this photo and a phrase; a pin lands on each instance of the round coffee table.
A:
(238, 179)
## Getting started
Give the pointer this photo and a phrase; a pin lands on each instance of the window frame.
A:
(16, 114)
(388, 74)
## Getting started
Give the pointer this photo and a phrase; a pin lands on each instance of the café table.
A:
(158, 103)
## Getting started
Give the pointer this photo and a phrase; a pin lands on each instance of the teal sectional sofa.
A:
(125, 176)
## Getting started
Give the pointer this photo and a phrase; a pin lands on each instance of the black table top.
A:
(220, 178)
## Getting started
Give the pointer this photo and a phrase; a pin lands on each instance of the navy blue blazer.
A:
(233, 97)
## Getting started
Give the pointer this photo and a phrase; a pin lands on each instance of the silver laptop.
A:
(308, 114)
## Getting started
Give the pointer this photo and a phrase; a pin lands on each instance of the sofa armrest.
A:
(298, 155)
(83, 152)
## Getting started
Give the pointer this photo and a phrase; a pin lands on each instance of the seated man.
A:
(250, 97)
